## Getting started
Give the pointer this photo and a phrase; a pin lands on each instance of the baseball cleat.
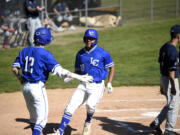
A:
(170, 133)
(56, 132)
(87, 128)
(156, 128)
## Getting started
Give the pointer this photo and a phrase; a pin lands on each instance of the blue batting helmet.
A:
(91, 33)
(43, 36)
(175, 30)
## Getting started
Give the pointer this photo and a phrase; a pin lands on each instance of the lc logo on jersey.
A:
(94, 62)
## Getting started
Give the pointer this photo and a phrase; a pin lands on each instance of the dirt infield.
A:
(127, 111)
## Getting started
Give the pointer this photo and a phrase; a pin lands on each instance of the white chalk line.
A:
(135, 100)
(135, 117)
(128, 110)
(126, 126)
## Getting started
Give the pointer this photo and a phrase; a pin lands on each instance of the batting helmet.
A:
(175, 30)
(43, 36)
(91, 33)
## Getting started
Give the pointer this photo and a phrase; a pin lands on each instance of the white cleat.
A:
(56, 132)
(87, 128)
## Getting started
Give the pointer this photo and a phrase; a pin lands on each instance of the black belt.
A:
(34, 82)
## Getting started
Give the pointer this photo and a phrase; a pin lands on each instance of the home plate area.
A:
(129, 114)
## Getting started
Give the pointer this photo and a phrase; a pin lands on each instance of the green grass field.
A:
(134, 50)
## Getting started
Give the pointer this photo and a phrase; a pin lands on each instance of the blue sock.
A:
(37, 129)
(64, 122)
(89, 117)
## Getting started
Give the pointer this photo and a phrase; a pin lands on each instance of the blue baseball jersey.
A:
(35, 63)
(94, 63)
(32, 4)
(169, 59)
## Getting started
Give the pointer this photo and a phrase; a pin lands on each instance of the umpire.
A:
(169, 68)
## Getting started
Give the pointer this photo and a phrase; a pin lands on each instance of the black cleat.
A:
(170, 133)
(156, 128)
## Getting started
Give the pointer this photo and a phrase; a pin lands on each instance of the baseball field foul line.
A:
(136, 100)
(128, 110)
(126, 126)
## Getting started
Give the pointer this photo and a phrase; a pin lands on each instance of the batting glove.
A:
(110, 88)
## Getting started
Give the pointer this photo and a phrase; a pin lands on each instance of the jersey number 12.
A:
(29, 64)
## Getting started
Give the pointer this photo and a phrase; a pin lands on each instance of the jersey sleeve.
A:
(17, 62)
(51, 63)
(173, 60)
(77, 63)
(108, 60)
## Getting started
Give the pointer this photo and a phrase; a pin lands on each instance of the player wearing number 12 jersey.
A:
(36, 62)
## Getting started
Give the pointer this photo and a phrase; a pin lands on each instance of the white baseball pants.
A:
(170, 110)
(36, 102)
(33, 24)
(91, 93)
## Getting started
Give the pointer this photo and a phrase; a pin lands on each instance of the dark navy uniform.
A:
(33, 19)
(168, 59)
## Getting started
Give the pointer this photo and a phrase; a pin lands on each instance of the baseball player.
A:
(94, 61)
(169, 68)
(36, 63)
(32, 11)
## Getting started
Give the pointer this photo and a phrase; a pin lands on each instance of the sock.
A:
(64, 122)
(37, 129)
(89, 117)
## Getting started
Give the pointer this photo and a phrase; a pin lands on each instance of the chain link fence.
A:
(135, 11)
(129, 11)
(149, 10)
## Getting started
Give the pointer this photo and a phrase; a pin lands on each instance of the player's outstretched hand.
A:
(83, 78)
(68, 79)
(109, 87)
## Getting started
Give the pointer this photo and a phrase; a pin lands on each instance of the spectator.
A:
(5, 30)
(63, 14)
(48, 22)
(32, 10)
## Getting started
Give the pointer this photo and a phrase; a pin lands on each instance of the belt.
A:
(33, 82)
(96, 81)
